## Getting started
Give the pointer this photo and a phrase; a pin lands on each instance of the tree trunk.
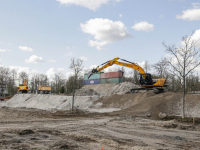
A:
(183, 105)
(74, 90)
(73, 100)
(183, 101)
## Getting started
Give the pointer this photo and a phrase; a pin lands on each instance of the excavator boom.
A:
(115, 61)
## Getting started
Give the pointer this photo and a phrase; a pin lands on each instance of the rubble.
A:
(162, 115)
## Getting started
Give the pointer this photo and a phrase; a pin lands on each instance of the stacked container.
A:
(103, 78)
(111, 77)
(94, 79)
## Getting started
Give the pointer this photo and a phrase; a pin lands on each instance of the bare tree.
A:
(161, 68)
(59, 81)
(11, 84)
(136, 77)
(183, 61)
(23, 76)
(76, 66)
(4, 77)
(124, 72)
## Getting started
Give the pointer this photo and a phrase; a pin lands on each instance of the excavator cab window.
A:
(145, 79)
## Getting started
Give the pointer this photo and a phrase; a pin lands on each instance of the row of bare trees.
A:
(10, 80)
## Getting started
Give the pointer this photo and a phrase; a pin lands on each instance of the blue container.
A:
(92, 77)
(91, 82)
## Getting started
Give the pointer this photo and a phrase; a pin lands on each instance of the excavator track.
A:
(155, 90)
(136, 90)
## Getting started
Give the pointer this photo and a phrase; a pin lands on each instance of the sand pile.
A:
(49, 102)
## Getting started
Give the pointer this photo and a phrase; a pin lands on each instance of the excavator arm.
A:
(115, 61)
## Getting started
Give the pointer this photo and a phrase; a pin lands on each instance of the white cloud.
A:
(105, 31)
(51, 73)
(61, 69)
(5, 50)
(93, 66)
(143, 26)
(34, 59)
(195, 37)
(51, 60)
(120, 15)
(68, 74)
(112, 68)
(25, 48)
(90, 4)
(1, 63)
(190, 14)
(34, 71)
(83, 58)
(161, 16)
(20, 69)
(86, 70)
(141, 64)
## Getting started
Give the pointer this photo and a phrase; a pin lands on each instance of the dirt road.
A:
(36, 129)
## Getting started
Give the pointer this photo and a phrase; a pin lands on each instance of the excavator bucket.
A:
(89, 74)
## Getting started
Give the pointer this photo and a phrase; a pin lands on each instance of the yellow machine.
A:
(23, 88)
(146, 81)
(44, 89)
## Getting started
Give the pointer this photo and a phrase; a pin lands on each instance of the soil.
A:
(22, 128)
(149, 103)
(121, 121)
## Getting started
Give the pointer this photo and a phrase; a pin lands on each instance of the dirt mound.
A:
(86, 92)
(150, 103)
(111, 89)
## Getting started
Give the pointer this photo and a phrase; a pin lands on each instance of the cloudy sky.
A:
(41, 36)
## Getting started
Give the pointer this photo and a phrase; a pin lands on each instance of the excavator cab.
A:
(146, 79)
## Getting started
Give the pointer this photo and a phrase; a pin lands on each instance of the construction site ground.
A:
(110, 119)
(22, 128)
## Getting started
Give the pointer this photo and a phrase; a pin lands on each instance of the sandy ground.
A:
(36, 129)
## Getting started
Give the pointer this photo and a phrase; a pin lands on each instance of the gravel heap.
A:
(105, 90)
(123, 88)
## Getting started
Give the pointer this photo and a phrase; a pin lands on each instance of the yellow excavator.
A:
(23, 88)
(146, 81)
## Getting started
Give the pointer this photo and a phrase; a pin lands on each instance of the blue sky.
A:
(43, 35)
